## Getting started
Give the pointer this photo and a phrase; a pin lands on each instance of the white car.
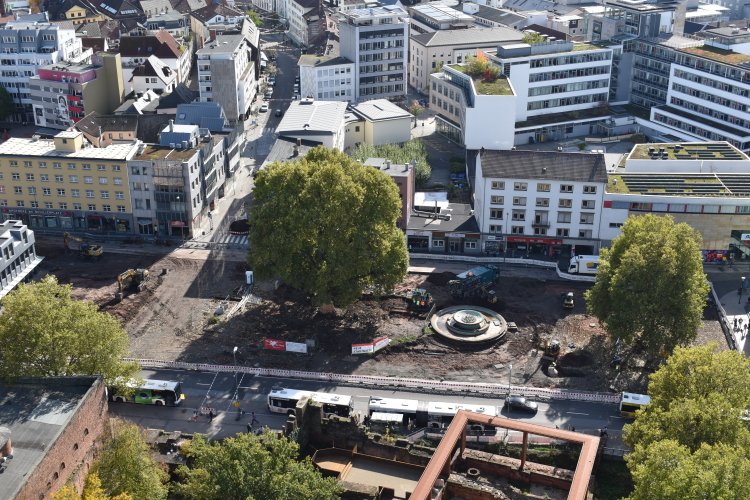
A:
(264, 108)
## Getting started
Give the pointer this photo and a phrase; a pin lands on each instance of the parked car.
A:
(523, 404)
(264, 108)
(269, 95)
(279, 112)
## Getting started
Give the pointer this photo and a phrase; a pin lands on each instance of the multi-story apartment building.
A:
(153, 75)
(428, 18)
(525, 198)
(327, 78)
(135, 50)
(27, 47)
(376, 40)
(227, 74)
(546, 91)
(63, 94)
(18, 259)
(306, 21)
(60, 184)
(429, 50)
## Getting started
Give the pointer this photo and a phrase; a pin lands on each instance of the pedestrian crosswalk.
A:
(232, 240)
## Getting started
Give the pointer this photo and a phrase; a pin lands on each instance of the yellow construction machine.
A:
(85, 250)
(551, 351)
(136, 278)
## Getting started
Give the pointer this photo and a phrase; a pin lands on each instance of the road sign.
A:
(236, 404)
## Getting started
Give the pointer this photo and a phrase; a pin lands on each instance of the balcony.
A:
(544, 224)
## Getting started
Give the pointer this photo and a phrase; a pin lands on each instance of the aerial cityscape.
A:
(374, 249)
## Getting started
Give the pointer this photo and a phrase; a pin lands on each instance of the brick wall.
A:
(73, 451)
(498, 465)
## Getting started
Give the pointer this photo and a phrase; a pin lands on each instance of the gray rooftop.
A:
(501, 16)
(441, 13)
(322, 61)
(223, 44)
(543, 165)
(283, 150)
(484, 36)
(313, 117)
(462, 220)
(208, 115)
(36, 413)
(379, 110)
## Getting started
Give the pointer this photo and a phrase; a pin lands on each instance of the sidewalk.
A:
(737, 308)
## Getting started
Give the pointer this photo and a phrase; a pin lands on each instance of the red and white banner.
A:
(278, 345)
(371, 347)
(296, 347)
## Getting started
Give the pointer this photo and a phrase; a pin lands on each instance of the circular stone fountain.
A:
(469, 325)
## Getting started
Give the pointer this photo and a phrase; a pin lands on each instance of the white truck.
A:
(584, 264)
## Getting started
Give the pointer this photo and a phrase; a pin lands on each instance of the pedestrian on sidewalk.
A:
(249, 428)
(210, 415)
(735, 324)
(195, 416)
(254, 420)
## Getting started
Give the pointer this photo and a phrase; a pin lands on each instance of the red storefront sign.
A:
(535, 240)
(278, 345)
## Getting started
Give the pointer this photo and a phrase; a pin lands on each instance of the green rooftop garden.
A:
(641, 151)
(615, 184)
(726, 56)
(495, 85)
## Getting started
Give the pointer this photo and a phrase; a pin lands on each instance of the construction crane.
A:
(131, 278)
(85, 250)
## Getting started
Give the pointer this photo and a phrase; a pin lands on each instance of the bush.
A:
(411, 150)
(457, 165)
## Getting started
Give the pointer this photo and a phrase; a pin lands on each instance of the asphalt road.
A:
(216, 390)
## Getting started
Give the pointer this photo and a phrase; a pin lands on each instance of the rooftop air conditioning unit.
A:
(171, 145)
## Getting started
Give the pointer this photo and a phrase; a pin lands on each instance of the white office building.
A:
(326, 78)
(376, 40)
(18, 259)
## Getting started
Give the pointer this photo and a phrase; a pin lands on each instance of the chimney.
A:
(387, 164)
(299, 142)
(171, 125)
(406, 167)
(482, 151)
(296, 149)
(212, 34)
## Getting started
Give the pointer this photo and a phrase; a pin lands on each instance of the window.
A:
(438, 243)
(32, 190)
(27, 164)
(134, 171)
(496, 229)
(121, 208)
(115, 168)
(75, 193)
(640, 206)
(516, 229)
(102, 180)
(563, 217)
(588, 204)
(356, 128)
(19, 203)
(16, 176)
(615, 224)
(99, 166)
(76, 206)
(138, 204)
(470, 245)
(542, 202)
(589, 189)
(118, 181)
(498, 185)
(74, 178)
(520, 186)
(519, 201)
(519, 215)
(18, 190)
(34, 204)
(63, 206)
(13, 163)
(584, 233)
(137, 186)
(58, 178)
(57, 165)
(497, 200)
(88, 179)
(119, 195)
(42, 164)
(105, 194)
(563, 232)
(89, 193)
(587, 218)
(542, 187)
(60, 192)
(106, 208)
(44, 177)
(496, 214)
(566, 188)
(47, 191)
(86, 166)
(540, 231)
(565, 204)
(71, 166)
(29, 177)
(92, 207)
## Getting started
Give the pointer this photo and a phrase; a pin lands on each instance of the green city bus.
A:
(153, 392)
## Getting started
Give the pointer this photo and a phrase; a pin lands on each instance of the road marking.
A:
(576, 413)
(612, 416)
(204, 384)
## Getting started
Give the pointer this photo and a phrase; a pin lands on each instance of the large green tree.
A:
(250, 467)
(326, 224)
(45, 332)
(255, 18)
(693, 439)
(126, 464)
(651, 286)
(7, 106)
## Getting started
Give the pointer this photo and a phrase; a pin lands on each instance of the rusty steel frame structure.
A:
(440, 464)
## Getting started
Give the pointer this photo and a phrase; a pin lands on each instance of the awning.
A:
(145, 222)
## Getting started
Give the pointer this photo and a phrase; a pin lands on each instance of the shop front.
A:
(493, 245)
(462, 243)
(147, 225)
(418, 241)
(111, 223)
(539, 247)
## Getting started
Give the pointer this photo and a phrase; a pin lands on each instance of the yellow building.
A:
(60, 184)
(80, 15)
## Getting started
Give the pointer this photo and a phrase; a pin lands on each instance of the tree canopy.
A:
(45, 332)
(7, 106)
(533, 38)
(92, 490)
(692, 440)
(250, 467)
(126, 465)
(412, 150)
(651, 286)
(326, 224)
(255, 18)
(416, 108)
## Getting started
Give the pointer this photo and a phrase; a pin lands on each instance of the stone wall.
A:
(408, 454)
(468, 489)
(508, 467)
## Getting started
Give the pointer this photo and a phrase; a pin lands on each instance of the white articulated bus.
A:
(441, 414)
(282, 400)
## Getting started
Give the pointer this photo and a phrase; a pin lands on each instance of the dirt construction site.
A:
(173, 318)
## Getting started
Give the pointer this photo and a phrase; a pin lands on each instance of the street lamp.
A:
(510, 377)
(234, 354)
(182, 229)
(742, 285)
